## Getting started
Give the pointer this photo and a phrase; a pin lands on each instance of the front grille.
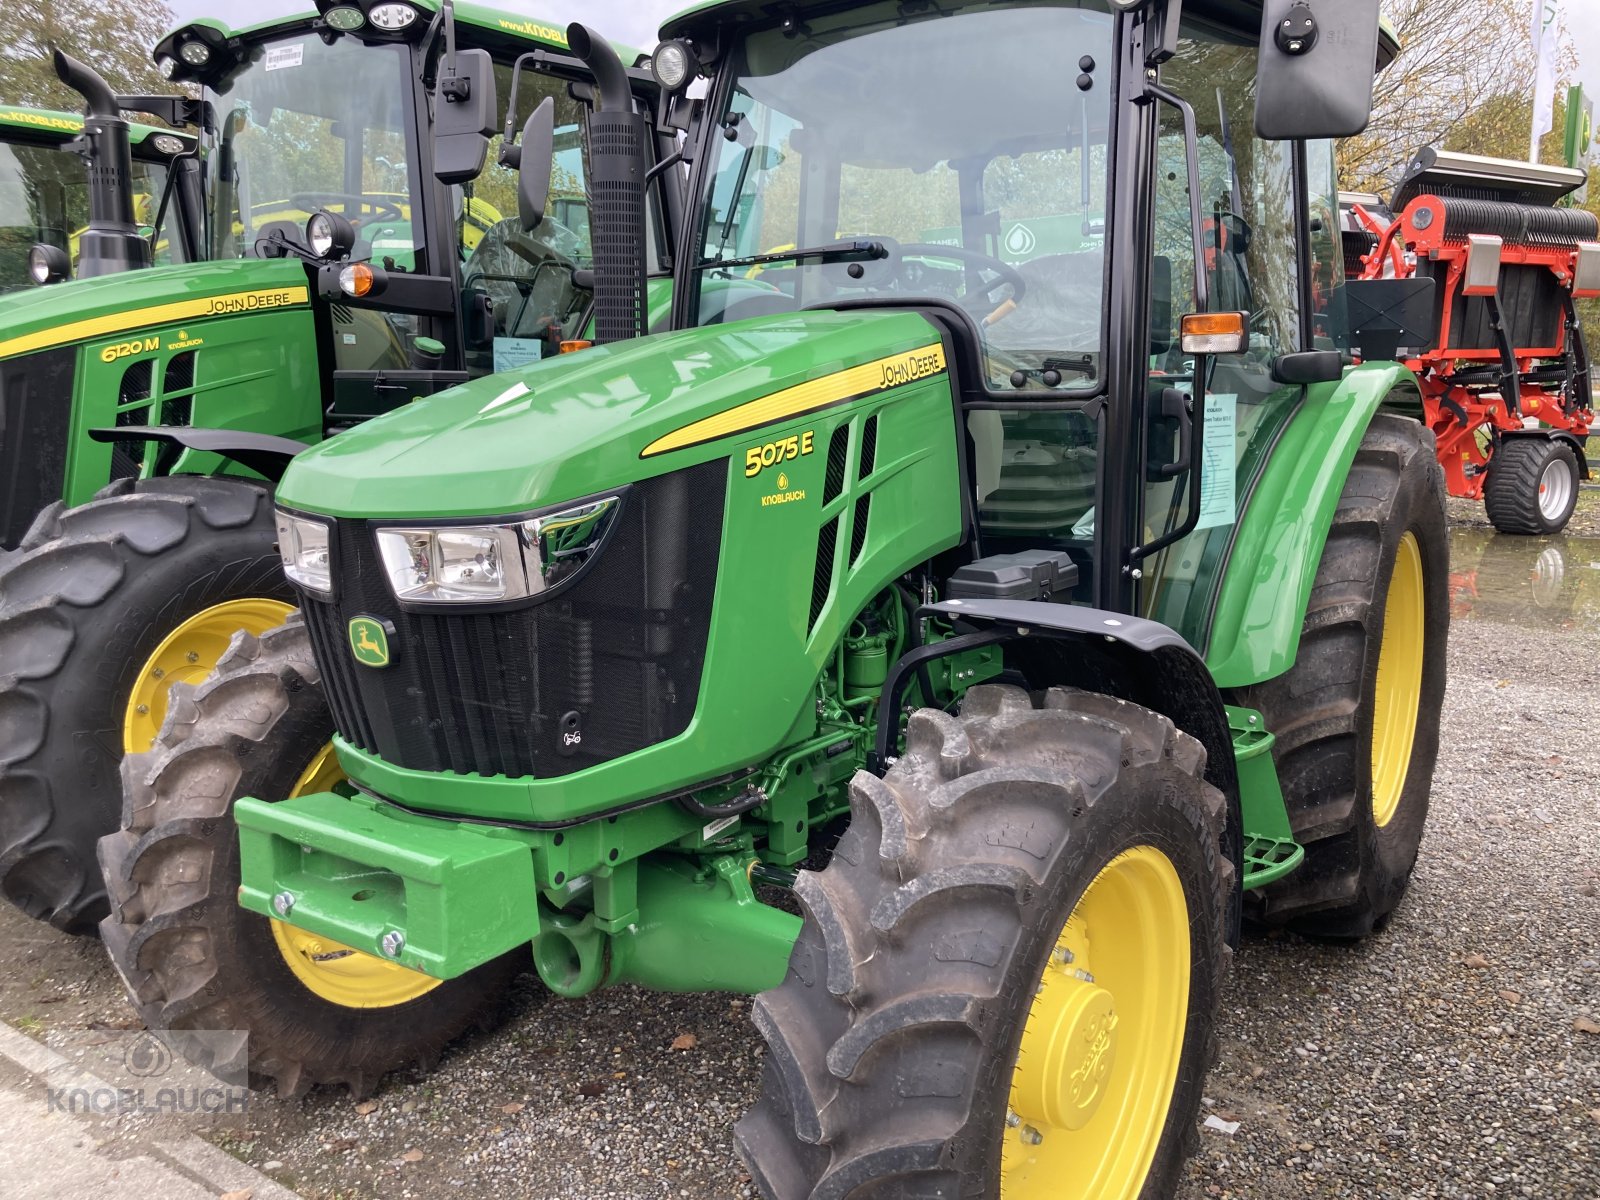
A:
(35, 429)
(614, 658)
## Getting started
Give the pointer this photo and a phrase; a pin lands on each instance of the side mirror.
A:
(533, 169)
(464, 108)
(1160, 304)
(1314, 68)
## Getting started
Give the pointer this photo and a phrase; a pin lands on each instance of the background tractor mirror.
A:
(464, 108)
(1160, 304)
(1314, 68)
(533, 171)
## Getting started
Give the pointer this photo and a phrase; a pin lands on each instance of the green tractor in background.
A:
(45, 192)
(344, 271)
(1024, 639)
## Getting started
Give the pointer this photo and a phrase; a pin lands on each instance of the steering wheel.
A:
(382, 210)
(984, 291)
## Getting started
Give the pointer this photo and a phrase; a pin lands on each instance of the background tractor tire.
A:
(92, 595)
(1360, 815)
(1532, 486)
(938, 934)
(192, 959)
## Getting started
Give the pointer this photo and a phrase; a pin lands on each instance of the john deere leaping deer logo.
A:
(369, 642)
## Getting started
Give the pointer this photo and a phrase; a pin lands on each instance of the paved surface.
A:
(1446, 1057)
(45, 1152)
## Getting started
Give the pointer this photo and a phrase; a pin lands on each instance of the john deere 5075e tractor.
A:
(343, 276)
(1024, 614)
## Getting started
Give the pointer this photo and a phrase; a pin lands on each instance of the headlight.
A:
(670, 64)
(392, 16)
(48, 264)
(196, 54)
(466, 564)
(166, 65)
(344, 18)
(303, 546)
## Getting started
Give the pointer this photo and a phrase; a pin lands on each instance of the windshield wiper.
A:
(863, 251)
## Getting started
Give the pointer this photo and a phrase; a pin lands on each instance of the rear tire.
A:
(932, 938)
(90, 596)
(1361, 821)
(1532, 486)
(192, 959)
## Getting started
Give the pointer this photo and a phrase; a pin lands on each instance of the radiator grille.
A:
(615, 658)
(35, 428)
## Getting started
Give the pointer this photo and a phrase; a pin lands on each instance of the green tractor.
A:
(349, 266)
(1020, 640)
(45, 195)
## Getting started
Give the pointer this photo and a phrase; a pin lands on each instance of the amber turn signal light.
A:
(576, 344)
(1214, 333)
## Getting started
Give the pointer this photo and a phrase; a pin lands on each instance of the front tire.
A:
(1007, 975)
(1532, 486)
(316, 1012)
(102, 609)
(1357, 716)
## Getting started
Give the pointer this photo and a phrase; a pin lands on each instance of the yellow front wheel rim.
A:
(1099, 1058)
(331, 970)
(187, 655)
(1397, 699)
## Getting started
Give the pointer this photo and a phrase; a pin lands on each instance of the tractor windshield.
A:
(308, 125)
(984, 185)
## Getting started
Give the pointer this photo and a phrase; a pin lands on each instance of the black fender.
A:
(1576, 443)
(1129, 657)
(266, 454)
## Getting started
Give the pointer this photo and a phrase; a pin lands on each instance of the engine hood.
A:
(570, 426)
(82, 310)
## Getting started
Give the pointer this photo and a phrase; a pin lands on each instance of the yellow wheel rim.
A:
(187, 655)
(331, 970)
(1398, 696)
(1099, 1057)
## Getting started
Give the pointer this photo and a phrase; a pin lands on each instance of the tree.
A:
(1455, 55)
(114, 39)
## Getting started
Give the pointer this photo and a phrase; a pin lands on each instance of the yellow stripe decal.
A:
(181, 310)
(850, 384)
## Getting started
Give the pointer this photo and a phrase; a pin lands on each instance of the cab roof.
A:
(1242, 15)
(52, 126)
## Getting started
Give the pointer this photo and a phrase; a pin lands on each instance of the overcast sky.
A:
(635, 22)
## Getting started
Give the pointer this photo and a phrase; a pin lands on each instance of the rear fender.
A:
(1266, 584)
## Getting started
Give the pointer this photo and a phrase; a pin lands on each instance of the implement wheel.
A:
(1532, 486)
(1357, 716)
(103, 608)
(1006, 979)
(317, 1012)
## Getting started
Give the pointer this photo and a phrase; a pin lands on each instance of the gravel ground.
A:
(1450, 1056)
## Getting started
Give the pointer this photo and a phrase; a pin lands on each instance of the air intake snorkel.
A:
(112, 242)
(617, 138)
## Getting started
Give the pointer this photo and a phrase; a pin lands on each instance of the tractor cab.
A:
(366, 142)
(1032, 213)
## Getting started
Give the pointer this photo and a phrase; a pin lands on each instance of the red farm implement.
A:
(1473, 285)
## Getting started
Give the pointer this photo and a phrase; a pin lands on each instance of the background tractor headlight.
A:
(303, 546)
(479, 564)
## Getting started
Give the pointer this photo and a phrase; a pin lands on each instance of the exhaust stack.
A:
(617, 137)
(112, 242)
